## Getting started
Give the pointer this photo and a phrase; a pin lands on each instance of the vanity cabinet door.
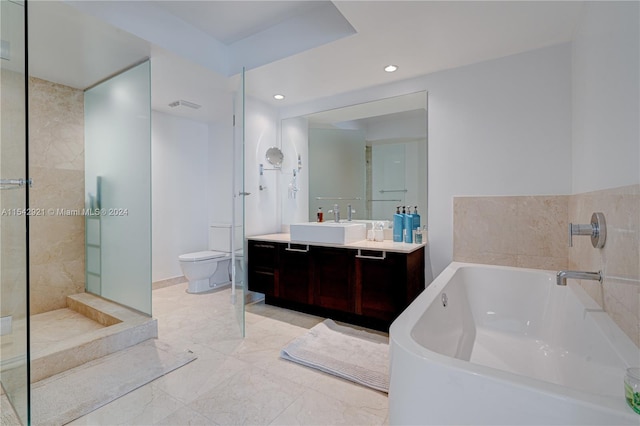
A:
(332, 278)
(294, 273)
(379, 285)
(263, 267)
(386, 286)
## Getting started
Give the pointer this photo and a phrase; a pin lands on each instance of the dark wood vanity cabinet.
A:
(365, 287)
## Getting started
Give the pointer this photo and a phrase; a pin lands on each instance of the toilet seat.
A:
(202, 255)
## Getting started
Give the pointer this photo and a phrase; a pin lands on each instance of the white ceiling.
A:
(189, 43)
(230, 22)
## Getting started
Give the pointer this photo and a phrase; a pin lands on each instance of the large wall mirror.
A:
(372, 156)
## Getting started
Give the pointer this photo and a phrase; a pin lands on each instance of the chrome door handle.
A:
(244, 194)
(15, 183)
(299, 250)
(383, 255)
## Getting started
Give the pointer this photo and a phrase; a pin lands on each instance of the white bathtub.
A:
(510, 347)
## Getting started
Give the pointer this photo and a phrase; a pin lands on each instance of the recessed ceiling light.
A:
(390, 68)
(278, 97)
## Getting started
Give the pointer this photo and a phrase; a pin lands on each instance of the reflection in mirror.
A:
(274, 156)
(372, 156)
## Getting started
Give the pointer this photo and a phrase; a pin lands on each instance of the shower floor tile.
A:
(61, 324)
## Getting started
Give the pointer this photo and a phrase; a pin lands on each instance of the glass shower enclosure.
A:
(238, 240)
(118, 187)
(14, 296)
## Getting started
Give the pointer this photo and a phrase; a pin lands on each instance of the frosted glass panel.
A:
(93, 231)
(93, 260)
(93, 284)
(118, 181)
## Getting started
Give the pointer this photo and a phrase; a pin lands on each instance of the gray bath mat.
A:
(67, 396)
(355, 355)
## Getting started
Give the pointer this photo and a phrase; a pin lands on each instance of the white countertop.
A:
(386, 245)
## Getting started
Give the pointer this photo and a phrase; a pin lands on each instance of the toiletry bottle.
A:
(416, 219)
(408, 226)
(320, 215)
(398, 225)
(417, 236)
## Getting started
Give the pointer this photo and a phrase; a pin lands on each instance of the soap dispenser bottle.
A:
(408, 226)
(416, 219)
(398, 225)
(320, 215)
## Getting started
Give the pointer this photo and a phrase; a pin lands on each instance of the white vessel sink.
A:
(328, 232)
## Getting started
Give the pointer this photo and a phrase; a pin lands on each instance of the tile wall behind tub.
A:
(56, 164)
(522, 231)
(619, 259)
(531, 232)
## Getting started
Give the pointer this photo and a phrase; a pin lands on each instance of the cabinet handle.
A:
(264, 246)
(361, 256)
(299, 250)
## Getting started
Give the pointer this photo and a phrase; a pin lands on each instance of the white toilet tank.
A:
(220, 237)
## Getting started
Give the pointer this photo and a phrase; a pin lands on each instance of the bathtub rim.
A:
(401, 328)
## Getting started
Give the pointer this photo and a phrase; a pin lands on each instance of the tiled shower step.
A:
(107, 327)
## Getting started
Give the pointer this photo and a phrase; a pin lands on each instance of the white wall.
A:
(220, 171)
(295, 137)
(180, 199)
(606, 97)
(192, 188)
(500, 127)
(497, 128)
(262, 208)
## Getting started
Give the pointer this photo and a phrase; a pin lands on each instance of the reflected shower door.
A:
(14, 296)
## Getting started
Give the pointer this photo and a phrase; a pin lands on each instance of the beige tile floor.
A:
(237, 381)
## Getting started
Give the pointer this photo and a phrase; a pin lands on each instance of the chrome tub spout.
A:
(562, 276)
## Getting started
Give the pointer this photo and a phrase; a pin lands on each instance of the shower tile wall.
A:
(56, 163)
(531, 232)
(12, 237)
(619, 259)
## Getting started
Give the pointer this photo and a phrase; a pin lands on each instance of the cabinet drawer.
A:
(262, 281)
(263, 254)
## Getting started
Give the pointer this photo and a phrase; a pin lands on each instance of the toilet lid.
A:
(201, 255)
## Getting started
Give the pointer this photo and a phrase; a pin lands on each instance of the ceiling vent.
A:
(182, 102)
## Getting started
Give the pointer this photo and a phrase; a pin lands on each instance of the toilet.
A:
(211, 269)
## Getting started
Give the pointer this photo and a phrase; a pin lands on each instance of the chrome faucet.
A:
(350, 212)
(561, 277)
(336, 213)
